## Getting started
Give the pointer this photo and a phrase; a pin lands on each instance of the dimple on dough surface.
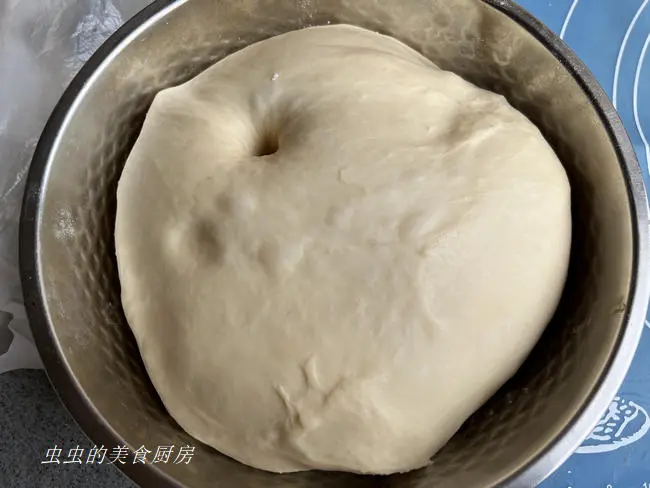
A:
(332, 252)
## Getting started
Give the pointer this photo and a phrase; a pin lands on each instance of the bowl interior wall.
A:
(469, 37)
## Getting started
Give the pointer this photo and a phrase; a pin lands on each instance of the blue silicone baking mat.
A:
(612, 37)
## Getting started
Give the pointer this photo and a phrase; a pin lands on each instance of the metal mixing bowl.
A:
(69, 272)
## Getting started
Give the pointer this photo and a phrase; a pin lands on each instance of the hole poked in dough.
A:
(267, 145)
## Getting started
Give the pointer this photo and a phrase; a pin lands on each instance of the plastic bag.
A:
(42, 46)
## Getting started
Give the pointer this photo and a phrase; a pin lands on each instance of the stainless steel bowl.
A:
(69, 273)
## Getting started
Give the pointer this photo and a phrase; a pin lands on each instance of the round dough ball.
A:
(332, 252)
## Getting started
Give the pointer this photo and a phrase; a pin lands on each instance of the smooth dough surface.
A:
(332, 252)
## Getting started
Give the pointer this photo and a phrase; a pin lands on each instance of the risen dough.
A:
(332, 252)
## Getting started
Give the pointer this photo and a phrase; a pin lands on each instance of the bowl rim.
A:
(536, 469)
